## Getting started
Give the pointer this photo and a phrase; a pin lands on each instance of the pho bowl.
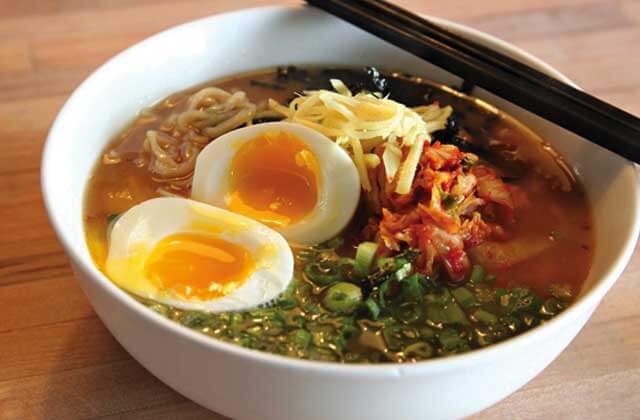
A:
(246, 384)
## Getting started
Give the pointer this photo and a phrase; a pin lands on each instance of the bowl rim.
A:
(585, 303)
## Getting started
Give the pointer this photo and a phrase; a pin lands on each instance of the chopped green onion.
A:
(372, 308)
(465, 298)
(454, 314)
(426, 332)
(347, 261)
(322, 335)
(322, 354)
(502, 297)
(300, 338)
(477, 274)
(386, 263)
(490, 279)
(348, 327)
(392, 335)
(365, 254)
(409, 313)
(449, 339)
(342, 297)
(435, 314)
(403, 271)
(193, 319)
(412, 287)
(323, 273)
(446, 296)
(401, 262)
(347, 266)
(293, 319)
(382, 291)
(236, 318)
(286, 302)
(521, 299)
(432, 298)
(485, 317)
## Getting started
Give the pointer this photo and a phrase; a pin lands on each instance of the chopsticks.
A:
(549, 98)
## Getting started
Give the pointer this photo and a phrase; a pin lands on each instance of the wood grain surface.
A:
(57, 360)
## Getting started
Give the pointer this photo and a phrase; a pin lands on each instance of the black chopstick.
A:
(549, 98)
(418, 23)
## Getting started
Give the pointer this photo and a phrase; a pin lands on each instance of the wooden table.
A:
(57, 360)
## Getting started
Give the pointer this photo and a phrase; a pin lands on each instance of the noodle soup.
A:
(460, 237)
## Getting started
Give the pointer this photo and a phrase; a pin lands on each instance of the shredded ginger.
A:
(363, 121)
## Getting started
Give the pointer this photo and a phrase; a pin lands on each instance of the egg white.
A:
(137, 232)
(338, 180)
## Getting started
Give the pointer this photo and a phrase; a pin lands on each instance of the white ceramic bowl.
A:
(246, 384)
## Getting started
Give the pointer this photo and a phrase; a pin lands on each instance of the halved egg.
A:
(287, 176)
(195, 256)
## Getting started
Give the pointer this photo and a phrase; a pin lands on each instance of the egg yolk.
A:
(198, 266)
(274, 179)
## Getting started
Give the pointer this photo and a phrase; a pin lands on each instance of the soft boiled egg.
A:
(287, 176)
(195, 256)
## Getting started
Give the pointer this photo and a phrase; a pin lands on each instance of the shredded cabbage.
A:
(361, 122)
